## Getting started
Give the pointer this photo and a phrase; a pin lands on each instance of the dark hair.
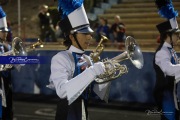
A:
(67, 41)
(163, 36)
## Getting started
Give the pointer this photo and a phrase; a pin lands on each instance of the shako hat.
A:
(3, 21)
(166, 10)
(73, 17)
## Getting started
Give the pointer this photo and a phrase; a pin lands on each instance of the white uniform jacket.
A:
(62, 70)
(163, 60)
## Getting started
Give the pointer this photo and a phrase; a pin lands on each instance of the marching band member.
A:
(166, 63)
(71, 75)
(5, 74)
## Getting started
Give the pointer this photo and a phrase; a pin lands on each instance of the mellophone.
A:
(113, 68)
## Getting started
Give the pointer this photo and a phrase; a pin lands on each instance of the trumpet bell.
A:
(18, 47)
(134, 52)
(39, 43)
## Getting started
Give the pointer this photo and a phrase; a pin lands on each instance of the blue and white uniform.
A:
(167, 75)
(5, 88)
(68, 67)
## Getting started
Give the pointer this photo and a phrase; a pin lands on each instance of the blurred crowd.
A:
(115, 32)
(50, 32)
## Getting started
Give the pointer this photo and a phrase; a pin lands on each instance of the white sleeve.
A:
(102, 90)
(60, 74)
(64, 84)
(78, 84)
(163, 60)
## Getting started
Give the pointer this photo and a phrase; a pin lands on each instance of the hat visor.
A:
(85, 30)
(4, 29)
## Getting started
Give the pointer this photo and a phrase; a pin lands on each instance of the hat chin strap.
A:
(74, 35)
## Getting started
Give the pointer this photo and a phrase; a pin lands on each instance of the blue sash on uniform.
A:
(174, 57)
(80, 66)
(75, 109)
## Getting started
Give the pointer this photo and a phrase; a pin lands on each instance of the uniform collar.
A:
(76, 50)
(167, 45)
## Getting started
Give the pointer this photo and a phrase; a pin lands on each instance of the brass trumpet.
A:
(38, 43)
(113, 69)
(95, 55)
(18, 47)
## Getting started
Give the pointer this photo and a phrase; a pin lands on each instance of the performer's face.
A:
(83, 39)
(175, 37)
(3, 35)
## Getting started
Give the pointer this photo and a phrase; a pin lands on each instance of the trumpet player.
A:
(71, 75)
(5, 75)
(166, 65)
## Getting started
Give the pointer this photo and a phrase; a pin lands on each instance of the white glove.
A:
(98, 68)
(74, 89)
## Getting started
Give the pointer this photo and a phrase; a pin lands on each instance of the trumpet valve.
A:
(104, 60)
(95, 57)
(123, 69)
